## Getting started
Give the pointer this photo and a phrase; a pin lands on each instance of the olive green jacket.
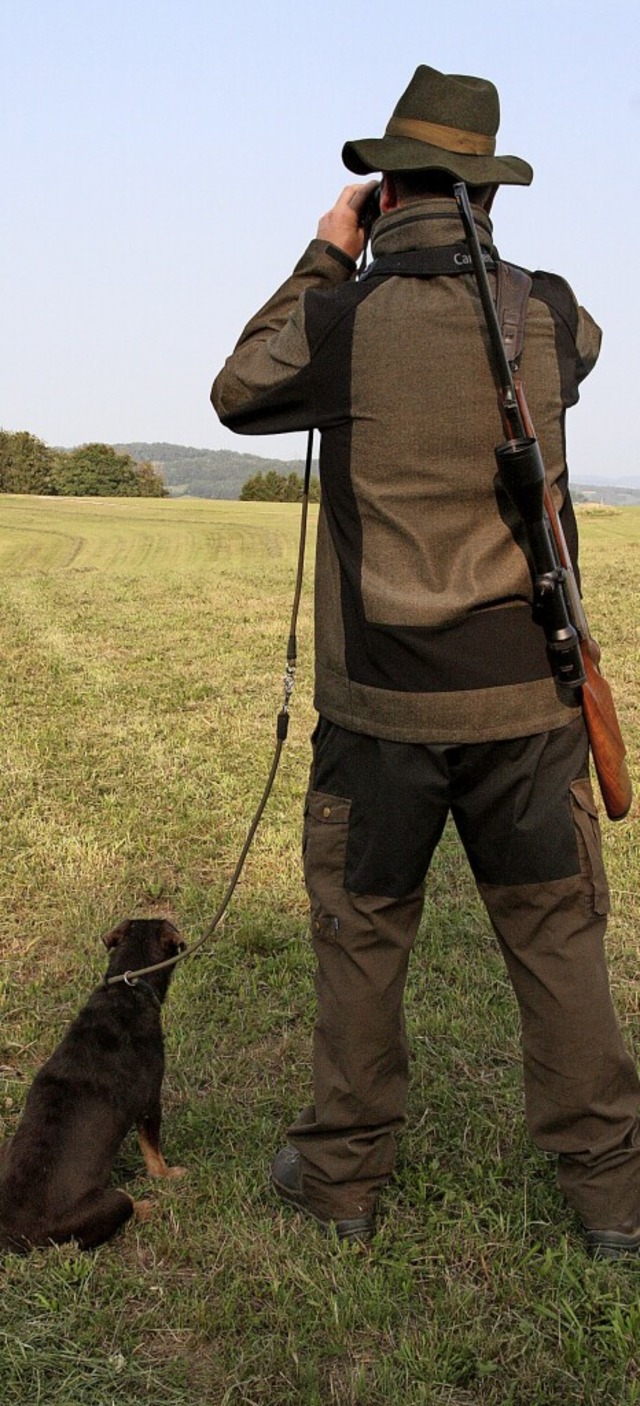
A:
(424, 624)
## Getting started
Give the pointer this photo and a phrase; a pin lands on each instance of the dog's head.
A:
(141, 942)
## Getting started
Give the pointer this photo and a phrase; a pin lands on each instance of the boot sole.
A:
(613, 1245)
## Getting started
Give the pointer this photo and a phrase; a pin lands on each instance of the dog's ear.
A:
(170, 937)
(117, 935)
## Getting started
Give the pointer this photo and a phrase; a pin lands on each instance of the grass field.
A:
(142, 648)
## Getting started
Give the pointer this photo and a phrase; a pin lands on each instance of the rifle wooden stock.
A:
(607, 745)
(605, 738)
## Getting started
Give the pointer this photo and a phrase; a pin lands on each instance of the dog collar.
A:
(137, 984)
(144, 986)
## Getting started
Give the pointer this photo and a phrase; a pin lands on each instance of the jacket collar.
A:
(426, 224)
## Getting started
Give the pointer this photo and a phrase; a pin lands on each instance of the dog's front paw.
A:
(143, 1210)
(176, 1172)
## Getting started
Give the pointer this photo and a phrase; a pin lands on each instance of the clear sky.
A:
(165, 162)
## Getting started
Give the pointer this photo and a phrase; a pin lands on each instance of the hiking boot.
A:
(286, 1174)
(614, 1244)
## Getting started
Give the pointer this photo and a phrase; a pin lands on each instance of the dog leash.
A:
(282, 721)
(131, 978)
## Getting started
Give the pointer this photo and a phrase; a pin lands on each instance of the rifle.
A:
(572, 651)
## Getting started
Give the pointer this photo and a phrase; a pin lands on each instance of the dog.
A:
(104, 1078)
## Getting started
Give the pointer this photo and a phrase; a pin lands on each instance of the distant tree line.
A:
(272, 487)
(207, 473)
(27, 465)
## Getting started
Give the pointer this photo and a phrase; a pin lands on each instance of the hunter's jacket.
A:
(423, 616)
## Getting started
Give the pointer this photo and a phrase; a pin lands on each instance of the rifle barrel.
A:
(505, 375)
(522, 473)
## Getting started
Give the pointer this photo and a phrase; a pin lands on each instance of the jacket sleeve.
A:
(578, 337)
(266, 385)
(588, 342)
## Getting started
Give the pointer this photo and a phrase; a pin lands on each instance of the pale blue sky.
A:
(165, 162)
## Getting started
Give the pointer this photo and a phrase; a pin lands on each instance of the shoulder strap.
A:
(426, 263)
(513, 289)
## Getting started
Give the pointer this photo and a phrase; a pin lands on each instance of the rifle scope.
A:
(522, 474)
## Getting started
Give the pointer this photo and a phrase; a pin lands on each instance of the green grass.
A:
(142, 648)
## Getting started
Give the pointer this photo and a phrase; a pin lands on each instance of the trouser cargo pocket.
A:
(585, 819)
(324, 848)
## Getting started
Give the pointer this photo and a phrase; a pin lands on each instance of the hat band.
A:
(447, 138)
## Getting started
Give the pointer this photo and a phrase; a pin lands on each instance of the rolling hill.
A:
(220, 473)
(206, 473)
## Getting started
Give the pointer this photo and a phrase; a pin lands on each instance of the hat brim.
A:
(406, 154)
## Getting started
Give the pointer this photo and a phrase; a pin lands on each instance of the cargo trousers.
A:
(525, 813)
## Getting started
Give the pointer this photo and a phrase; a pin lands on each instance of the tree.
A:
(98, 470)
(150, 482)
(273, 487)
(26, 464)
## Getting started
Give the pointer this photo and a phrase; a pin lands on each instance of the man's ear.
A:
(388, 195)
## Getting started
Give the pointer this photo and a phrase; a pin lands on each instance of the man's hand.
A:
(340, 226)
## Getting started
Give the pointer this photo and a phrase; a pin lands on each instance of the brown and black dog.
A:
(104, 1078)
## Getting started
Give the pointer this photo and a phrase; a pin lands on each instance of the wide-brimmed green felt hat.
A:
(446, 122)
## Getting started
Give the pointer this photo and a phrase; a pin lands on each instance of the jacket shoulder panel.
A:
(326, 308)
